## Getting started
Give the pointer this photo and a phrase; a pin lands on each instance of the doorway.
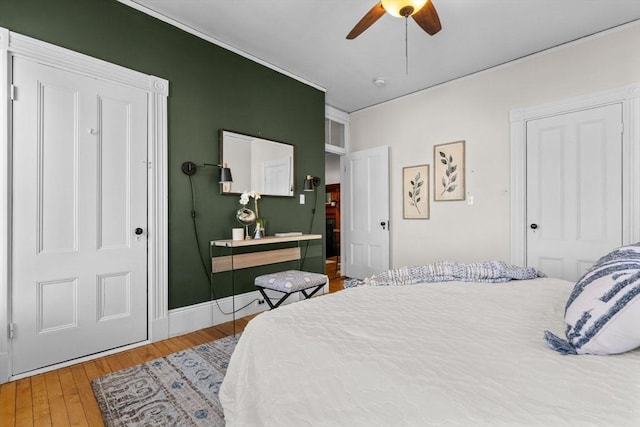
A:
(333, 221)
(621, 127)
(365, 212)
(79, 217)
(55, 186)
(574, 197)
(363, 207)
(332, 218)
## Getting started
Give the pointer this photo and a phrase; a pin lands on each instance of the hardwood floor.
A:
(64, 397)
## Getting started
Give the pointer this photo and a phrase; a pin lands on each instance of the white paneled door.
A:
(574, 190)
(79, 258)
(365, 216)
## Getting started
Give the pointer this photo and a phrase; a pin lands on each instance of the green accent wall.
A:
(210, 89)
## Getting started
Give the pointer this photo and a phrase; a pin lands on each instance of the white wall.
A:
(331, 168)
(476, 109)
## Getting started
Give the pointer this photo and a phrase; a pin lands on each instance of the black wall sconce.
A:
(311, 182)
(189, 168)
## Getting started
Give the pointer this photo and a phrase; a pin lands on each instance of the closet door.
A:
(574, 190)
(79, 262)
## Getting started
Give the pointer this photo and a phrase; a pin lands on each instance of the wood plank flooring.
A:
(64, 397)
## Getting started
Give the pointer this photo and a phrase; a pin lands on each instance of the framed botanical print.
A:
(415, 192)
(449, 171)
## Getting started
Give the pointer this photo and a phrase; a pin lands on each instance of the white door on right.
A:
(574, 190)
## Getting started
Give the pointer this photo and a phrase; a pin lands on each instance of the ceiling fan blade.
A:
(427, 18)
(372, 16)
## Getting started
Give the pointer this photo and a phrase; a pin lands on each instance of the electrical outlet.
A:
(260, 301)
(302, 199)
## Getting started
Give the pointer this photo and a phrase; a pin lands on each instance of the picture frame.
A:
(415, 192)
(449, 171)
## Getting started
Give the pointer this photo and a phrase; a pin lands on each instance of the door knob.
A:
(534, 226)
(139, 231)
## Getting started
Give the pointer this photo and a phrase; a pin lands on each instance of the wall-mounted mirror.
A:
(257, 164)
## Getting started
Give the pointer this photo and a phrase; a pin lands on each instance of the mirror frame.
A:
(233, 170)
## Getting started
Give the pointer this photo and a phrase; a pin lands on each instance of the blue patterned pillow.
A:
(603, 311)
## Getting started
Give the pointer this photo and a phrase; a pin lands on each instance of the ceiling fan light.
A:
(393, 7)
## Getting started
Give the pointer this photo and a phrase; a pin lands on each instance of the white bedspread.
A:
(445, 354)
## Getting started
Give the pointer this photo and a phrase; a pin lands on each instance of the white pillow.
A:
(603, 311)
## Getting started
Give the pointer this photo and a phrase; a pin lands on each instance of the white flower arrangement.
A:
(244, 199)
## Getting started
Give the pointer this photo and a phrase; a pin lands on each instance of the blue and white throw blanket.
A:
(448, 271)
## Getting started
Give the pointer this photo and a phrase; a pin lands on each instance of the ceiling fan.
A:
(422, 11)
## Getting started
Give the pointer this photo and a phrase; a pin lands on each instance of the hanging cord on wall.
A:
(213, 295)
(313, 216)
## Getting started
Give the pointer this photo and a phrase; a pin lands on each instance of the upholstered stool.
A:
(289, 282)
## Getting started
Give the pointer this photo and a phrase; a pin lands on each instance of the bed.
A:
(431, 354)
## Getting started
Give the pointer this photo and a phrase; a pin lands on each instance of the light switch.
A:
(302, 199)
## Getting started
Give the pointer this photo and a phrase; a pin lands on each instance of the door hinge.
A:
(12, 330)
(13, 92)
(621, 127)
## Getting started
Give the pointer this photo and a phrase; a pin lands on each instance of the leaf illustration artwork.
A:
(414, 194)
(450, 176)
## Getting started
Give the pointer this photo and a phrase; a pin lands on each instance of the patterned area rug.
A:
(180, 389)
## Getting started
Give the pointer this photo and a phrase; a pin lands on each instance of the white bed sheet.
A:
(445, 354)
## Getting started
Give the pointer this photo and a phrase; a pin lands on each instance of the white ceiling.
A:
(306, 38)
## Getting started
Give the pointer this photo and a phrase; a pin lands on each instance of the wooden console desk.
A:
(237, 261)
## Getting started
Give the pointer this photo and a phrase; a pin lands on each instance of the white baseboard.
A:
(199, 316)
(4, 368)
(159, 329)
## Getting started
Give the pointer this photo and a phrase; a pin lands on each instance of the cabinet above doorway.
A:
(336, 131)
